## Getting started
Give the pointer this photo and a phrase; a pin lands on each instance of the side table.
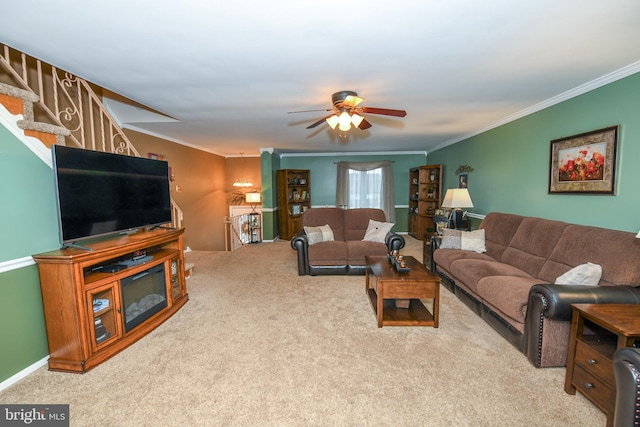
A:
(597, 331)
(427, 250)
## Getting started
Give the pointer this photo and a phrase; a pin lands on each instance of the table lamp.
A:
(457, 198)
(253, 198)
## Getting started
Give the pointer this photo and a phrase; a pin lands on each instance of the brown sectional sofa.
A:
(511, 285)
(345, 254)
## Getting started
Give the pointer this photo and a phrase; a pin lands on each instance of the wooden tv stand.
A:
(82, 333)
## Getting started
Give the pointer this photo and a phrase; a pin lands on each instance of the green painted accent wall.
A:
(324, 174)
(22, 334)
(511, 162)
(29, 226)
(26, 185)
(270, 163)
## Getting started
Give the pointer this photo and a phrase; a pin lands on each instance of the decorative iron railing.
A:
(237, 231)
(71, 102)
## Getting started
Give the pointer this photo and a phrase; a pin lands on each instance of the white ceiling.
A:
(228, 72)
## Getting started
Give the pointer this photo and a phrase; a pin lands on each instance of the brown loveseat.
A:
(345, 253)
(511, 284)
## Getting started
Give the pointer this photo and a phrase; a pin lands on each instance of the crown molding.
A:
(353, 153)
(570, 94)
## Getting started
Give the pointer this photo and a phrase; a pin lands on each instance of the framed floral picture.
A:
(584, 163)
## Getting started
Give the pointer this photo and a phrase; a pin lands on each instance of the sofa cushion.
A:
(499, 230)
(444, 257)
(318, 234)
(358, 249)
(470, 271)
(377, 231)
(532, 244)
(356, 221)
(333, 217)
(328, 253)
(508, 295)
(617, 252)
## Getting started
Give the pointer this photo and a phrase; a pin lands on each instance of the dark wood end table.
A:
(384, 285)
(597, 332)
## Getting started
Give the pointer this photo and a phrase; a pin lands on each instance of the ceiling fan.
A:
(347, 111)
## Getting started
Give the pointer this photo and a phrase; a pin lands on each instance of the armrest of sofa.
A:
(550, 305)
(555, 300)
(394, 241)
(626, 368)
(301, 245)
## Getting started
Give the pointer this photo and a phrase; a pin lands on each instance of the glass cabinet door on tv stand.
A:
(104, 310)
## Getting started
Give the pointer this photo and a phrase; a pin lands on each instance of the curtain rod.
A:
(390, 161)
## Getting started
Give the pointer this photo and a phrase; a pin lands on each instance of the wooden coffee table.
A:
(385, 285)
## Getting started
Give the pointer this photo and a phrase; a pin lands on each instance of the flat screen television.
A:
(101, 193)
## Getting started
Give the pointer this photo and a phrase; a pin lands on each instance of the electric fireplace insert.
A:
(143, 295)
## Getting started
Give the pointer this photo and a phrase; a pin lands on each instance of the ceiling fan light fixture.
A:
(344, 121)
(356, 119)
(242, 183)
(333, 121)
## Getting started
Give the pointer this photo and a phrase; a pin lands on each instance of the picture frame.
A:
(295, 209)
(463, 180)
(584, 163)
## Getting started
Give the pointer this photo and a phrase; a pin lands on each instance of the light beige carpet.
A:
(257, 345)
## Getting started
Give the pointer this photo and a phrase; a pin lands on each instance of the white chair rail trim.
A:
(15, 264)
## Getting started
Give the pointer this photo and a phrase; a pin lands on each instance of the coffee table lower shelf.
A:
(416, 315)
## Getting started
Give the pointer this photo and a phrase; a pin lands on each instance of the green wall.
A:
(270, 164)
(324, 175)
(511, 162)
(29, 226)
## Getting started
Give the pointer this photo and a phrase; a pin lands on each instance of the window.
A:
(366, 185)
(365, 188)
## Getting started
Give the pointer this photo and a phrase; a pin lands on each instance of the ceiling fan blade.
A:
(309, 111)
(319, 122)
(364, 124)
(384, 111)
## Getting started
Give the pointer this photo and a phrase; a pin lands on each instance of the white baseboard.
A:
(23, 374)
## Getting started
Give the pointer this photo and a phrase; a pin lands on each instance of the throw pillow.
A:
(465, 240)
(377, 231)
(323, 233)
(473, 241)
(584, 274)
(451, 239)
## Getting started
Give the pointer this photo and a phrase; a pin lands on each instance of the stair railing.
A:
(71, 102)
(237, 231)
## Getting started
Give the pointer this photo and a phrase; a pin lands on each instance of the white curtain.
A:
(366, 184)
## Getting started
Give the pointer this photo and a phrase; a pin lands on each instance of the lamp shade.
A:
(344, 121)
(333, 121)
(356, 119)
(252, 197)
(457, 198)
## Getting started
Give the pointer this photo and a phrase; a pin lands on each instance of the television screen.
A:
(102, 193)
